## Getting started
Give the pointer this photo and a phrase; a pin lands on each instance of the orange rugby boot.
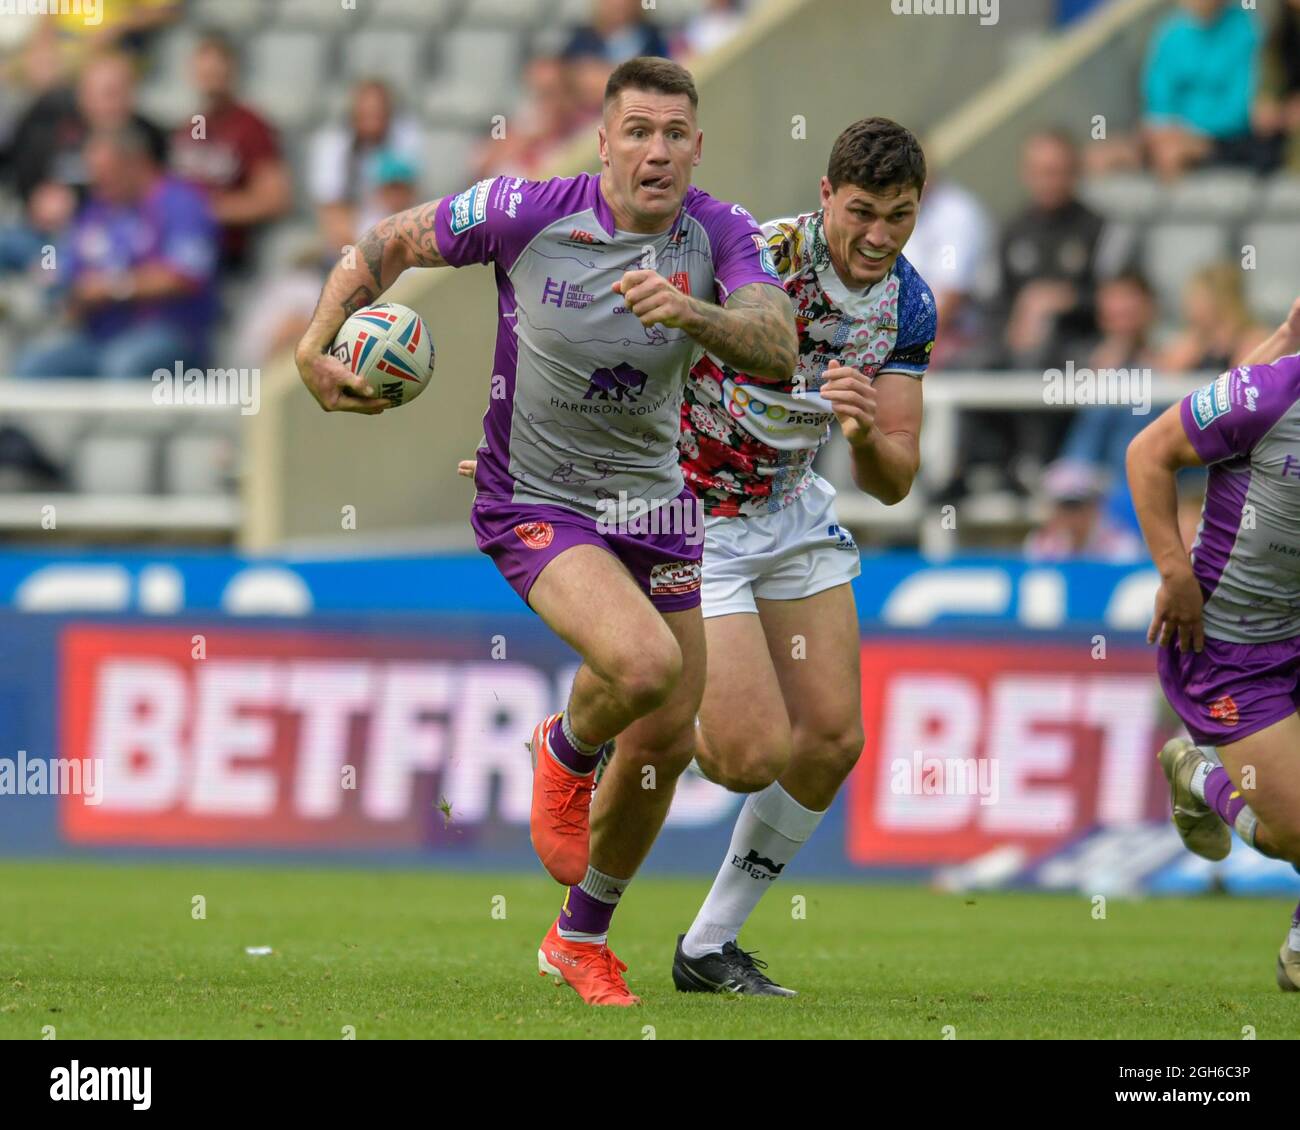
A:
(559, 823)
(592, 971)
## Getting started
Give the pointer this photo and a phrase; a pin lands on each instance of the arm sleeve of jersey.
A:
(1227, 417)
(740, 252)
(494, 220)
(917, 322)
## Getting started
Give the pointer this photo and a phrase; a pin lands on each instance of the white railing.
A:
(88, 513)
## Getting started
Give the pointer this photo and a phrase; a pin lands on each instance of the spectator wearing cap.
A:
(229, 150)
(137, 268)
(1076, 525)
(341, 160)
(395, 183)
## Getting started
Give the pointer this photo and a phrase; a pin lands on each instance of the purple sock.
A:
(566, 752)
(1222, 796)
(1295, 918)
(584, 914)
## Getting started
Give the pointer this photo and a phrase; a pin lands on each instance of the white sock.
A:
(1198, 779)
(1293, 939)
(771, 828)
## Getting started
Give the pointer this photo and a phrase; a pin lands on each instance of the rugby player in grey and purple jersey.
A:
(1227, 618)
(610, 288)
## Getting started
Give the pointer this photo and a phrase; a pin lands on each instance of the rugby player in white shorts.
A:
(781, 716)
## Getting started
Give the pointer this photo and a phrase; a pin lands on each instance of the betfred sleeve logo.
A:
(1211, 402)
(469, 208)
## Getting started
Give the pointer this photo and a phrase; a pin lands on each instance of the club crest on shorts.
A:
(673, 577)
(535, 535)
(1224, 710)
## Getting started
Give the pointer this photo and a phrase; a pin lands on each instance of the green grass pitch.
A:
(115, 952)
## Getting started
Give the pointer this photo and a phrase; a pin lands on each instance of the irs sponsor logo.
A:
(584, 240)
(765, 255)
(673, 577)
(535, 535)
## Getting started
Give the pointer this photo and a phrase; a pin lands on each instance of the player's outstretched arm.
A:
(1284, 341)
(362, 275)
(1155, 456)
(753, 333)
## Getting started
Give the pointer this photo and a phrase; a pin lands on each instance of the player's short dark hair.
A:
(877, 155)
(650, 72)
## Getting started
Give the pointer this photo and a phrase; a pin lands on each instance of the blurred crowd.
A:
(131, 230)
(141, 237)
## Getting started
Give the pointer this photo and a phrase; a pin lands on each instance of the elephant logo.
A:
(623, 381)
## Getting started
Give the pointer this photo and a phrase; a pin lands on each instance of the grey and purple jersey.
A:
(1246, 426)
(585, 403)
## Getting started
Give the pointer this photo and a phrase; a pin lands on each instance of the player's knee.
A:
(750, 765)
(833, 750)
(648, 675)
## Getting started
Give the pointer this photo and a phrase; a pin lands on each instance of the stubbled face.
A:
(865, 232)
(649, 143)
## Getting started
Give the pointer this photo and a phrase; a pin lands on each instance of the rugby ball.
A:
(391, 347)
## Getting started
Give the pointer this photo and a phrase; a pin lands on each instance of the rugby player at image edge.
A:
(594, 345)
(1227, 616)
(777, 564)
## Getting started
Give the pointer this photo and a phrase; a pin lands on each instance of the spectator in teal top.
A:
(1198, 83)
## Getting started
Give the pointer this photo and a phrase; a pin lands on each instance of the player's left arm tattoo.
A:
(888, 456)
(754, 333)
